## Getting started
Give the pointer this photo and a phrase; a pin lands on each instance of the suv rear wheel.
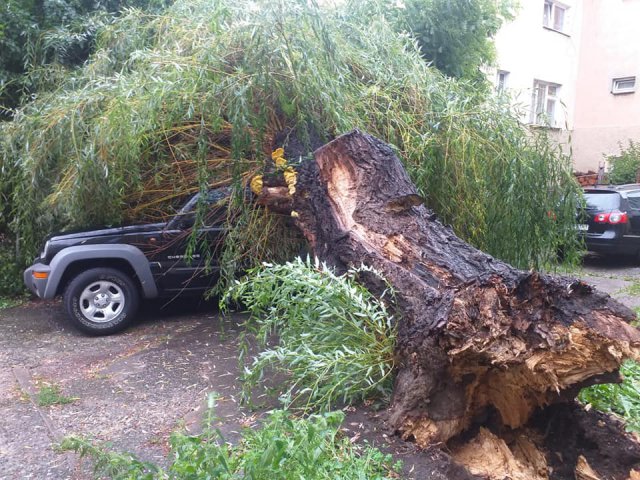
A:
(101, 301)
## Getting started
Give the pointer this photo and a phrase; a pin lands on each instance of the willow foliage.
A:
(170, 104)
(335, 340)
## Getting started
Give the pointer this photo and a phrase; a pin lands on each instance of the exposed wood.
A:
(488, 456)
(479, 341)
(584, 470)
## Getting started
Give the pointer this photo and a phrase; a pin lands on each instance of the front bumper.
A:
(36, 285)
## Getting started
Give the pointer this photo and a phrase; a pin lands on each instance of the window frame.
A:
(501, 80)
(540, 108)
(616, 90)
(550, 16)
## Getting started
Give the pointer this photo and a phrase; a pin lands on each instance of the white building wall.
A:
(529, 51)
(601, 42)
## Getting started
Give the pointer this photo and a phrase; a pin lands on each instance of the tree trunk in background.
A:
(483, 349)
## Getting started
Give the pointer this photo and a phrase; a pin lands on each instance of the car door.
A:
(188, 261)
(633, 211)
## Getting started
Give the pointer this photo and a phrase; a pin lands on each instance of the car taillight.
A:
(611, 217)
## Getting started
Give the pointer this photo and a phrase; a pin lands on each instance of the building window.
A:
(544, 103)
(623, 85)
(501, 80)
(554, 16)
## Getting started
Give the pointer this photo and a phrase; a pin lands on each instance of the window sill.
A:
(628, 92)
(537, 126)
(557, 31)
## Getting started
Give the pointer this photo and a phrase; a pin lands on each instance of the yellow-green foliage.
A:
(171, 103)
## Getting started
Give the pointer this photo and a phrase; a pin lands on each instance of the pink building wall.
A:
(610, 48)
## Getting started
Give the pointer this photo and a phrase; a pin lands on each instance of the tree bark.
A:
(482, 347)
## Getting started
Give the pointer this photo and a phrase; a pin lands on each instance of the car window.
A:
(634, 200)
(215, 214)
(602, 201)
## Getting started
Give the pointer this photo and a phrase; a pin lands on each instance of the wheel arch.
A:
(78, 266)
(126, 258)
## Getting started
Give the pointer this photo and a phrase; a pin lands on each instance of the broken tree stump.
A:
(482, 346)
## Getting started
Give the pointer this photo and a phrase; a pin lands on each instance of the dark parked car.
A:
(102, 274)
(611, 221)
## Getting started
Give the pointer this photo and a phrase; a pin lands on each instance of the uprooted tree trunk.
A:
(483, 349)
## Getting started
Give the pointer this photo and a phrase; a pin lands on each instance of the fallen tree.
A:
(485, 351)
(192, 98)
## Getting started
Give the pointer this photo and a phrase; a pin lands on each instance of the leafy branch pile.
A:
(173, 103)
(34, 33)
(330, 337)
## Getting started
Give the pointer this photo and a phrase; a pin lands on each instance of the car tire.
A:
(101, 301)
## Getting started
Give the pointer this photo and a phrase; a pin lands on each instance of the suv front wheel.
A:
(101, 301)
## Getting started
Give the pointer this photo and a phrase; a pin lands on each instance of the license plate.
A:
(583, 227)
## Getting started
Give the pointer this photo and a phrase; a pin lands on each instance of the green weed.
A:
(284, 448)
(334, 341)
(50, 394)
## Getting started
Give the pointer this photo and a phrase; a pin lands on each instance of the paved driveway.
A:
(619, 277)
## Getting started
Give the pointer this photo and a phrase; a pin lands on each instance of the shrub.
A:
(624, 168)
(10, 272)
(283, 448)
(335, 340)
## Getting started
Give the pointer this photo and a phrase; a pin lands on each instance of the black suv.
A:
(103, 273)
(611, 221)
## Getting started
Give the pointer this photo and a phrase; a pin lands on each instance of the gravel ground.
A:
(619, 277)
(130, 389)
(133, 389)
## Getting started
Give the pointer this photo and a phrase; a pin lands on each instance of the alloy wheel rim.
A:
(102, 301)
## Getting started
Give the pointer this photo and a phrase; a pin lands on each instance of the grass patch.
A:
(10, 302)
(621, 399)
(327, 334)
(633, 289)
(284, 448)
(51, 394)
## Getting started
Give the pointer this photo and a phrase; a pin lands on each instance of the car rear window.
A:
(604, 201)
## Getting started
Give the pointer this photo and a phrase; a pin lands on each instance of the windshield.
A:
(215, 214)
(602, 201)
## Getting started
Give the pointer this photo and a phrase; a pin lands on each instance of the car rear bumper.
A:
(612, 246)
(32, 282)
